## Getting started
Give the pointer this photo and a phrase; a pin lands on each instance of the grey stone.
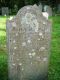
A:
(40, 6)
(28, 44)
(5, 11)
(48, 9)
(58, 7)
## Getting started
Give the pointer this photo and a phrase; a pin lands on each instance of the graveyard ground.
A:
(54, 67)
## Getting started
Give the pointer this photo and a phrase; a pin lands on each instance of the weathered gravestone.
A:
(5, 11)
(40, 6)
(58, 7)
(28, 37)
(48, 9)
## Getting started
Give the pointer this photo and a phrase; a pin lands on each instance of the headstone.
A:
(58, 7)
(45, 14)
(15, 8)
(28, 38)
(40, 7)
(45, 8)
(5, 11)
(0, 11)
(48, 9)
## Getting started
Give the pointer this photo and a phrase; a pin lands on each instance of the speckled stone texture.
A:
(28, 43)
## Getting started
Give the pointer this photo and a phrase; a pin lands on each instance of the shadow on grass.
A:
(3, 30)
(3, 66)
(3, 59)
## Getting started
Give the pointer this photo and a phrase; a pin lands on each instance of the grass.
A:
(3, 53)
(54, 67)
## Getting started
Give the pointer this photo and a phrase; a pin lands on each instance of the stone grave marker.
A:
(58, 7)
(5, 11)
(40, 7)
(28, 43)
(48, 9)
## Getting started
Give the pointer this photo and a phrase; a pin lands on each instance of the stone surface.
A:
(58, 7)
(48, 9)
(28, 42)
(40, 6)
(45, 14)
(5, 11)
